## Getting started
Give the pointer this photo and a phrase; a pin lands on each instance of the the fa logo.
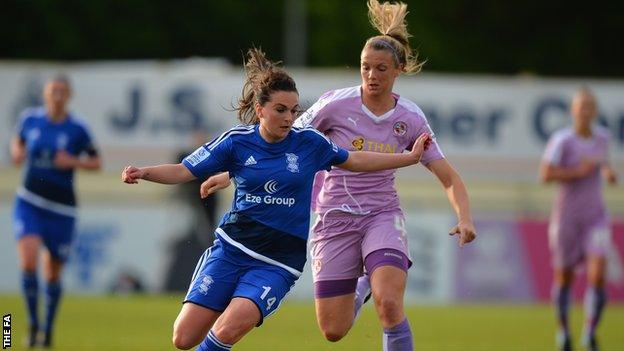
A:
(292, 163)
(205, 284)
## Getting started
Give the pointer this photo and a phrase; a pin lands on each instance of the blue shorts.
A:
(221, 276)
(55, 230)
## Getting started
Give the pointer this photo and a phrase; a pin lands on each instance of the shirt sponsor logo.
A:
(271, 188)
(197, 156)
(361, 144)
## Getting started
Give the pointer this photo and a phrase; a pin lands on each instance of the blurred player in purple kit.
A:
(52, 142)
(360, 226)
(579, 229)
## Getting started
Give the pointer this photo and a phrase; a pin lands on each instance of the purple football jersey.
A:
(579, 199)
(341, 115)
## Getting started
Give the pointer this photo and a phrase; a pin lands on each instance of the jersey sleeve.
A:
(328, 153)
(210, 158)
(315, 116)
(22, 122)
(553, 154)
(87, 144)
(433, 152)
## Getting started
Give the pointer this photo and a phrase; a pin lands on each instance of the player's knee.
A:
(232, 332)
(183, 341)
(334, 332)
(334, 335)
(390, 310)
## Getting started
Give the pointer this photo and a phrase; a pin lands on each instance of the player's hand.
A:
(421, 144)
(466, 232)
(214, 184)
(586, 167)
(63, 160)
(18, 156)
(610, 176)
(131, 175)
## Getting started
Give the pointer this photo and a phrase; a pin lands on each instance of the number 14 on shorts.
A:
(271, 300)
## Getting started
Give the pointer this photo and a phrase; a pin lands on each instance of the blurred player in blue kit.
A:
(52, 142)
(260, 246)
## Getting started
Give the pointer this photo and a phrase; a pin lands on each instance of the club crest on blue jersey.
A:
(33, 134)
(61, 141)
(292, 161)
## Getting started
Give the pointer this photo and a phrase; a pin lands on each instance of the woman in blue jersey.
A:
(52, 143)
(261, 243)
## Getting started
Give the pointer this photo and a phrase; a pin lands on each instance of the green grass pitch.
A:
(145, 322)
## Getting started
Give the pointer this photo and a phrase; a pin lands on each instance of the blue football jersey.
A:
(45, 185)
(271, 209)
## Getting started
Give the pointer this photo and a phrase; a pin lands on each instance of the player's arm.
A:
(18, 150)
(550, 172)
(64, 160)
(458, 197)
(609, 174)
(163, 174)
(214, 184)
(367, 161)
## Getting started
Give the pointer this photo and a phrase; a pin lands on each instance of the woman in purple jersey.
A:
(228, 294)
(360, 227)
(52, 143)
(579, 226)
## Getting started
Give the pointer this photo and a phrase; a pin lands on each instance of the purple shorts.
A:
(341, 241)
(572, 240)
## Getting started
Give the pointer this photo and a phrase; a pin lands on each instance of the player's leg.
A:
(336, 265)
(26, 229)
(599, 241)
(562, 283)
(210, 291)
(52, 268)
(259, 294)
(192, 325)
(566, 253)
(388, 289)
(28, 253)
(386, 261)
(57, 235)
(595, 300)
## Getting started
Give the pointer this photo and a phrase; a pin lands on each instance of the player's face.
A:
(378, 72)
(277, 115)
(56, 96)
(584, 108)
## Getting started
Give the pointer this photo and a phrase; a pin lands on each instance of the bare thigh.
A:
(28, 252)
(238, 319)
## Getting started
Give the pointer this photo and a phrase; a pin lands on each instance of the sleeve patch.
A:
(198, 156)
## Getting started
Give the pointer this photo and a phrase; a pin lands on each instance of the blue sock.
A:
(398, 338)
(30, 289)
(53, 296)
(211, 343)
(561, 301)
(595, 300)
